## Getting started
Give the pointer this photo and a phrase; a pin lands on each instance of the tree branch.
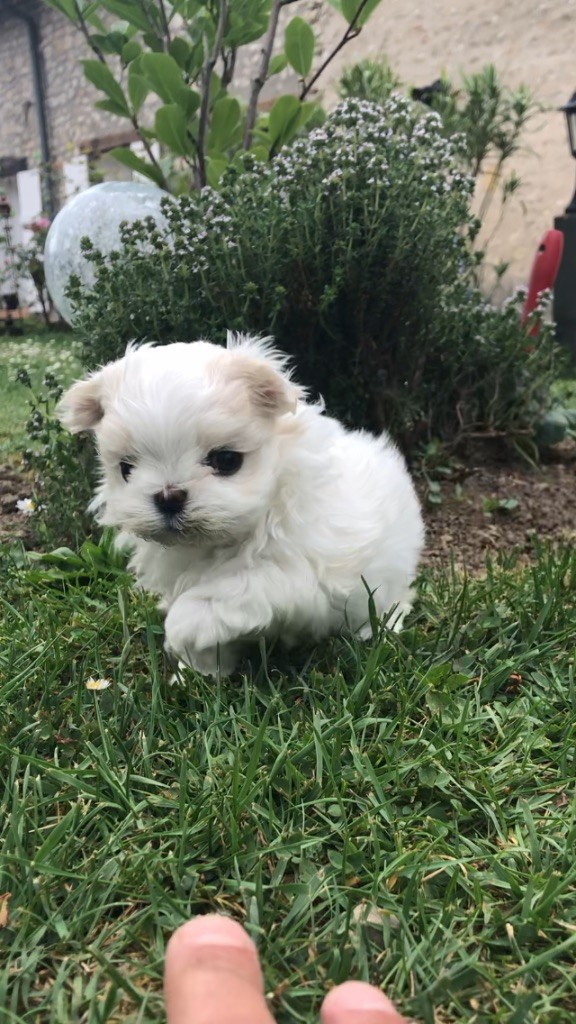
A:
(258, 82)
(204, 106)
(229, 61)
(165, 24)
(149, 151)
(351, 32)
(84, 30)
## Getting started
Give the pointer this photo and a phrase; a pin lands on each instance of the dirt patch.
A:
(488, 507)
(13, 524)
(498, 508)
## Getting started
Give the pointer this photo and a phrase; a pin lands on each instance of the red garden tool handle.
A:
(543, 273)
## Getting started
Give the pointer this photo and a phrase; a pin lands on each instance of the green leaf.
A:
(135, 163)
(216, 91)
(299, 43)
(163, 75)
(91, 16)
(287, 117)
(277, 64)
(138, 89)
(215, 167)
(170, 128)
(247, 22)
(285, 110)
(154, 42)
(226, 114)
(181, 51)
(189, 100)
(350, 8)
(101, 76)
(112, 108)
(131, 10)
(260, 153)
(131, 51)
(110, 42)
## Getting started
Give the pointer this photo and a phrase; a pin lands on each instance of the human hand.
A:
(213, 976)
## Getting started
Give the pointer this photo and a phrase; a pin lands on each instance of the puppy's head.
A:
(189, 437)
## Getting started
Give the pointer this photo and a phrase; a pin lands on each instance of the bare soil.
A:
(13, 524)
(473, 519)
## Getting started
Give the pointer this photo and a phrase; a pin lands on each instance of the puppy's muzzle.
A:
(170, 501)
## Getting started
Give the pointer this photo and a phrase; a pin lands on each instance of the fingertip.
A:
(212, 974)
(358, 1001)
(210, 930)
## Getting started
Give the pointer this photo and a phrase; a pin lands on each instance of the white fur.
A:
(292, 544)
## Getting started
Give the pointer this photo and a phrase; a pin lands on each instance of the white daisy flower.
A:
(26, 506)
(97, 684)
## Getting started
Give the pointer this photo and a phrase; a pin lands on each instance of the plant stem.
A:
(84, 30)
(351, 32)
(165, 24)
(258, 82)
(229, 61)
(149, 151)
(204, 106)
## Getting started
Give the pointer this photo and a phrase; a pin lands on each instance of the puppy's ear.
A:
(270, 392)
(81, 408)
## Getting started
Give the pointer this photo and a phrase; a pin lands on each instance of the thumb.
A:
(212, 975)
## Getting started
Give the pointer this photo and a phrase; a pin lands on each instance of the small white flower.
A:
(97, 684)
(26, 506)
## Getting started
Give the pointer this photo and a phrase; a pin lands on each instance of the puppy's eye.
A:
(224, 461)
(126, 468)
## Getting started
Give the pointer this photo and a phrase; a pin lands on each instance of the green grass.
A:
(403, 811)
(38, 351)
(426, 778)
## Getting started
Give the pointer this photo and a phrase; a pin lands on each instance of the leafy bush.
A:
(372, 80)
(353, 250)
(63, 468)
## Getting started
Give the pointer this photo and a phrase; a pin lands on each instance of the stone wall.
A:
(69, 99)
(18, 120)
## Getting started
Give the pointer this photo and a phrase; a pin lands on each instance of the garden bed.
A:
(499, 506)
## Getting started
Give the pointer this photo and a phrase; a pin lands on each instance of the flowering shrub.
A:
(63, 468)
(353, 249)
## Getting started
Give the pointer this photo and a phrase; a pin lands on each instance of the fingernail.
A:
(358, 995)
(215, 930)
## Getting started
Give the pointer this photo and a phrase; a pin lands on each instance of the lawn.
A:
(402, 810)
(39, 352)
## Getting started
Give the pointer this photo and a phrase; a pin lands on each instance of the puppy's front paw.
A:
(214, 661)
(189, 625)
(198, 635)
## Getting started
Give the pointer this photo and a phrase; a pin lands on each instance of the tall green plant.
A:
(489, 119)
(372, 80)
(185, 53)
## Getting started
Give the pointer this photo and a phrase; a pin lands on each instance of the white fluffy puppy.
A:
(249, 511)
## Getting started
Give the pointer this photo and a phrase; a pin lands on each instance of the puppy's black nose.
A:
(171, 500)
